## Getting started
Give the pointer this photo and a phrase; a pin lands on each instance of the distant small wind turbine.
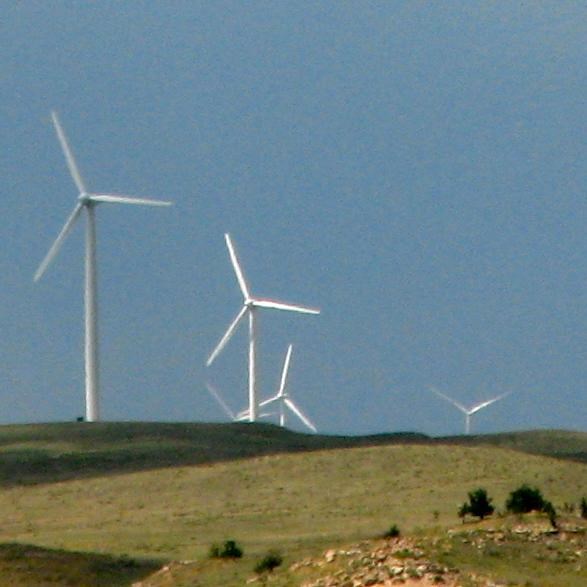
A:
(468, 411)
(283, 398)
(87, 201)
(241, 416)
(250, 306)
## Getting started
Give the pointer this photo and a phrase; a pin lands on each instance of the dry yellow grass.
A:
(295, 501)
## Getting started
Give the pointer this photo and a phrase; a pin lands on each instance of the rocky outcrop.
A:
(393, 562)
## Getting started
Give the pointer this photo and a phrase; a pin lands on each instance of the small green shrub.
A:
(393, 532)
(404, 553)
(269, 562)
(583, 507)
(525, 499)
(480, 503)
(230, 549)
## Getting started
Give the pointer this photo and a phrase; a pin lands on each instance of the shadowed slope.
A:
(45, 453)
(31, 566)
(562, 444)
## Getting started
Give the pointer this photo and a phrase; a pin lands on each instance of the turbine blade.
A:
(449, 399)
(484, 404)
(216, 395)
(117, 199)
(71, 164)
(227, 335)
(56, 246)
(243, 418)
(237, 268)
(263, 303)
(299, 414)
(269, 401)
(285, 370)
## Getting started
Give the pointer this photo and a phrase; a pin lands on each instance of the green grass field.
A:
(23, 565)
(157, 492)
(42, 453)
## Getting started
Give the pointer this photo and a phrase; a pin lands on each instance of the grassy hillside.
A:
(42, 453)
(45, 453)
(298, 503)
(23, 565)
(564, 444)
(133, 489)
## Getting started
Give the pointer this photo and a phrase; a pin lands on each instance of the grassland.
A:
(23, 565)
(168, 491)
(43, 453)
(563, 444)
(518, 551)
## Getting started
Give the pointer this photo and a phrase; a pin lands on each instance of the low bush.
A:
(393, 532)
(269, 562)
(230, 549)
(525, 499)
(583, 508)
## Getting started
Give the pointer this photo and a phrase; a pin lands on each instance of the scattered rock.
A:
(398, 562)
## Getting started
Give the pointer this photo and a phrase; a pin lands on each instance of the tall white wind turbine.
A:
(250, 306)
(87, 201)
(468, 411)
(283, 399)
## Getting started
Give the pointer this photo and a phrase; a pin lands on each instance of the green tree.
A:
(479, 504)
(525, 499)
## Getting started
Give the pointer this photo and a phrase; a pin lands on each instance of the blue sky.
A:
(415, 169)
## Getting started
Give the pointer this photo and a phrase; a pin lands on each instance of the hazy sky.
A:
(415, 169)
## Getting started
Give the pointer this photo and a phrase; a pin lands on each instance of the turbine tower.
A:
(468, 411)
(250, 306)
(283, 398)
(87, 201)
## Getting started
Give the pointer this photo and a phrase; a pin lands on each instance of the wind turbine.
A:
(468, 411)
(250, 306)
(282, 397)
(241, 416)
(87, 201)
